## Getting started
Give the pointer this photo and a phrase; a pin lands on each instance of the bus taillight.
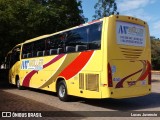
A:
(149, 78)
(149, 74)
(110, 83)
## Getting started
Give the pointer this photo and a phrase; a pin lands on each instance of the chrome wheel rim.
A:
(18, 84)
(62, 91)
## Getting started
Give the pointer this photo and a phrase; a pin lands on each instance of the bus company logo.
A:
(123, 29)
(130, 30)
(6, 114)
(32, 64)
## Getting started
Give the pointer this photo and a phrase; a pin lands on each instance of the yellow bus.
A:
(107, 58)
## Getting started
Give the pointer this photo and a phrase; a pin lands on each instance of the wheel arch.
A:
(61, 89)
(59, 80)
(16, 78)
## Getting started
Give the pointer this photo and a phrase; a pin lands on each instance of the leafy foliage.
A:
(24, 19)
(105, 8)
(155, 52)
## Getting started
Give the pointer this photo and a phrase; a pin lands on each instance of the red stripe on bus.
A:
(94, 21)
(146, 72)
(28, 77)
(77, 65)
(53, 60)
(120, 84)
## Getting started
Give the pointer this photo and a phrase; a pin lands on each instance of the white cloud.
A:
(135, 8)
(128, 5)
(138, 8)
(139, 13)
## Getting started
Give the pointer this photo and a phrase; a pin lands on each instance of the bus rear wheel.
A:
(62, 91)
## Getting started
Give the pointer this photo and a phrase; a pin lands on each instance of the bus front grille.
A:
(131, 53)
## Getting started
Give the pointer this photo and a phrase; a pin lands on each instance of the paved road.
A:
(156, 77)
(12, 99)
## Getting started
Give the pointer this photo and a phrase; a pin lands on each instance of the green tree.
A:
(105, 8)
(155, 53)
(24, 19)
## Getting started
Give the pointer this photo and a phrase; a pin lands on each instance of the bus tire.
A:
(18, 85)
(62, 91)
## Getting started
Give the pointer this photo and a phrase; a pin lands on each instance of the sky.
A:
(147, 10)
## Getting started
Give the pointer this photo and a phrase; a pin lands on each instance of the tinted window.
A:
(80, 39)
(27, 50)
(55, 44)
(76, 39)
(14, 58)
(78, 36)
(95, 36)
(16, 53)
(39, 47)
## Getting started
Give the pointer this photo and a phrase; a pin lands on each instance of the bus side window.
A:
(55, 45)
(75, 39)
(47, 46)
(38, 48)
(24, 56)
(27, 50)
(95, 36)
(17, 56)
(81, 47)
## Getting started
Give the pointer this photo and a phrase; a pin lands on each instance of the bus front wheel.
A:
(18, 85)
(62, 91)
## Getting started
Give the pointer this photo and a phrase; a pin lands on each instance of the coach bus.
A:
(106, 58)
